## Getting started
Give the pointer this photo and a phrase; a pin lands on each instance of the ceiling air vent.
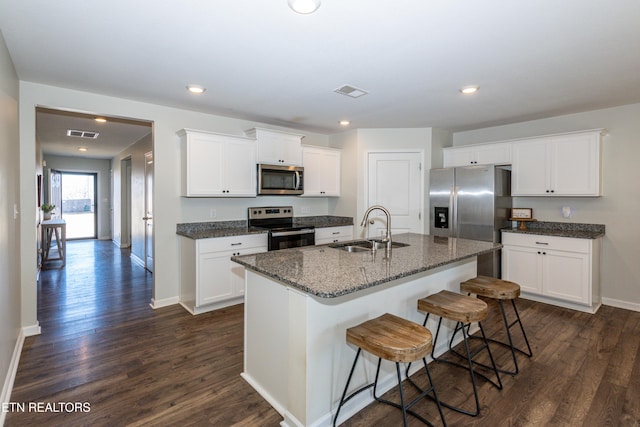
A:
(351, 91)
(83, 133)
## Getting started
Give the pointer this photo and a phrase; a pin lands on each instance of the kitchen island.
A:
(299, 302)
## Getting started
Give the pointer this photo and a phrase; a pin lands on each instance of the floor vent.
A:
(351, 91)
(83, 133)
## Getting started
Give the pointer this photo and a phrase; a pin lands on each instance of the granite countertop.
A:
(561, 229)
(206, 230)
(329, 272)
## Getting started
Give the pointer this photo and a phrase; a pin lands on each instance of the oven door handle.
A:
(293, 233)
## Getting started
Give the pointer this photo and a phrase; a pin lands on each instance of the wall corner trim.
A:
(159, 303)
(7, 387)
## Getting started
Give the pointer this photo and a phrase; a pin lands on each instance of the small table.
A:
(49, 227)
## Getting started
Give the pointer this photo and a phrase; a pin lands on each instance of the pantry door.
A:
(148, 206)
(395, 181)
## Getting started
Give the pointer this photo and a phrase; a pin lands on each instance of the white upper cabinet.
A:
(321, 172)
(217, 165)
(276, 147)
(558, 165)
(481, 154)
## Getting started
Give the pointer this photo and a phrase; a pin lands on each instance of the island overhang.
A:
(299, 303)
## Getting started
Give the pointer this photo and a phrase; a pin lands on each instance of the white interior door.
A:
(55, 190)
(395, 182)
(148, 207)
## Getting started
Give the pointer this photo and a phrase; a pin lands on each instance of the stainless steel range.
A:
(282, 233)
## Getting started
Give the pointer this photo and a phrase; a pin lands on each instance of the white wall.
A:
(170, 208)
(346, 204)
(9, 227)
(80, 164)
(617, 209)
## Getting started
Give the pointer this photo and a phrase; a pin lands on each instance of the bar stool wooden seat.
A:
(398, 340)
(501, 290)
(464, 310)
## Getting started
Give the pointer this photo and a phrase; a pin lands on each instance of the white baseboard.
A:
(29, 331)
(621, 304)
(121, 245)
(158, 303)
(135, 258)
(7, 388)
(211, 307)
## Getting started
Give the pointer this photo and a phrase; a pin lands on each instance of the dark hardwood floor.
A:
(101, 343)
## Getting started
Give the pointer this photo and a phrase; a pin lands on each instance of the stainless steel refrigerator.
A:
(471, 202)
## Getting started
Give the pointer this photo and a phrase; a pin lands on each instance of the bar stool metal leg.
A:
(405, 407)
(465, 310)
(509, 345)
(399, 341)
(501, 290)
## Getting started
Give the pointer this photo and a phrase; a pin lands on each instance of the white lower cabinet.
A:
(557, 270)
(334, 234)
(208, 278)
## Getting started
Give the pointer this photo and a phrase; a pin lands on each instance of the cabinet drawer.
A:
(547, 242)
(232, 242)
(335, 232)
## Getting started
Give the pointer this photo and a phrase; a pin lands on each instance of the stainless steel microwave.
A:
(280, 180)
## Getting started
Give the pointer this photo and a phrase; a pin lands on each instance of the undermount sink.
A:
(365, 245)
(351, 248)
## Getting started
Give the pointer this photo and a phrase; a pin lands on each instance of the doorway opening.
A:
(78, 203)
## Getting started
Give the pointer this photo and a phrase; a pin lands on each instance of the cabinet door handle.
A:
(236, 244)
(542, 243)
(336, 232)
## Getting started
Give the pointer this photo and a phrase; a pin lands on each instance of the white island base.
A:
(295, 351)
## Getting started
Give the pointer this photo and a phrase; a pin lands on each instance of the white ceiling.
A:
(113, 136)
(261, 61)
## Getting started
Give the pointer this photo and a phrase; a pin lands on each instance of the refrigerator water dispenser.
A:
(441, 217)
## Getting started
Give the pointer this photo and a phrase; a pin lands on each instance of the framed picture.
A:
(39, 190)
(521, 213)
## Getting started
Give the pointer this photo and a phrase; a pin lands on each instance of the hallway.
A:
(101, 343)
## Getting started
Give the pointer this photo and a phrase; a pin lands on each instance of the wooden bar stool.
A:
(500, 290)
(398, 340)
(465, 310)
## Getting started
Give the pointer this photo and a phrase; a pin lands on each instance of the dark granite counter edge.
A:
(222, 232)
(367, 285)
(561, 229)
(213, 229)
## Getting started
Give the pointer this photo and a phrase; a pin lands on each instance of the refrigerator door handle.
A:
(453, 215)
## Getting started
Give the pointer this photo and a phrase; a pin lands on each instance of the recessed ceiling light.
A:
(196, 89)
(83, 149)
(468, 90)
(344, 122)
(100, 120)
(304, 6)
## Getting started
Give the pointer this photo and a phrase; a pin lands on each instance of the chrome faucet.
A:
(387, 238)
